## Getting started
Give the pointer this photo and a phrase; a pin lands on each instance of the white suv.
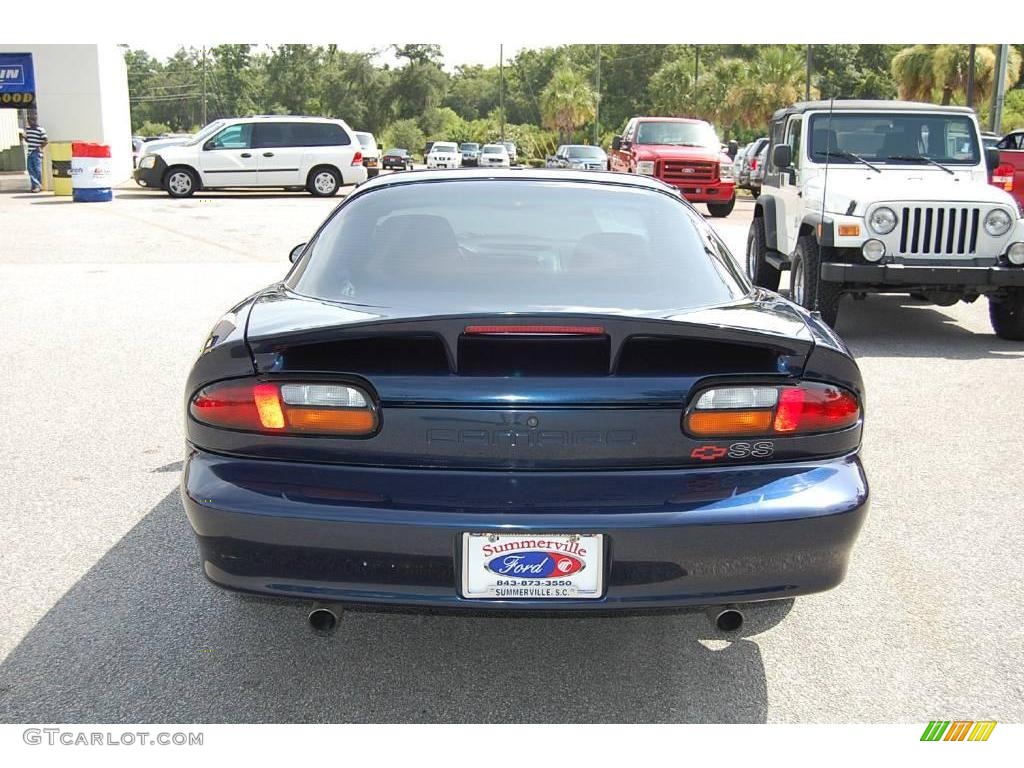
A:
(886, 197)
(444, 154)
(312, 153)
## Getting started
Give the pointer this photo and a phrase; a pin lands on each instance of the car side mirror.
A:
(617, 143)
(296, 252)
(782, 156)
(991, 158)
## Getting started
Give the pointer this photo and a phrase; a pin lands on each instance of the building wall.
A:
(8, 129)
(82, 95)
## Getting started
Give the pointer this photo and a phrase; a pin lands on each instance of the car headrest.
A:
(416, 242)
(608, 251)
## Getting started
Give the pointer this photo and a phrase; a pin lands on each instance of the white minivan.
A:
(313, 153)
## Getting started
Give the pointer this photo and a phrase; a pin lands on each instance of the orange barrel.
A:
(90, 173)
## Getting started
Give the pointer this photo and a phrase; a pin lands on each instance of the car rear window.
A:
(492, 245)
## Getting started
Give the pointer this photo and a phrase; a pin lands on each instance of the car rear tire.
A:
(181, 182)
(759, 270)
(806, 286)
(1007, 314)
(721, 210)
(323, 182)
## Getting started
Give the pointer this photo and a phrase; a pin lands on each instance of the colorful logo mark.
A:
(958, 730)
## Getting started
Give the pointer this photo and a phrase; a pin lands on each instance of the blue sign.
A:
(17, 81)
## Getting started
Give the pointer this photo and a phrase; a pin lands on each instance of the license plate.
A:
(535, 566)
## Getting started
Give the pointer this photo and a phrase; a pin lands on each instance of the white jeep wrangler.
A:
(886, 197)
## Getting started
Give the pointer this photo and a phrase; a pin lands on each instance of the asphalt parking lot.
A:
(103, 309)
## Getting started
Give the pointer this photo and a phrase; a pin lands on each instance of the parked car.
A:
(756, 174)
(390, 424)
(748, 162)
(581, 157)
(371, 153)
(1009, 173)
(444, 154)
(681, 152)
(397, 160)
(314, 153)
(908, 209)
(494, 156)
(470, 153)
(513, 153)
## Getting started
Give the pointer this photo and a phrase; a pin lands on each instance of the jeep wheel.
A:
(1007, 314)
(759, 271)
(806, 286)
(721, 210)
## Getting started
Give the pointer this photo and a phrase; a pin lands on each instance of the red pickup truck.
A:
(1009, 175)
(682, 152)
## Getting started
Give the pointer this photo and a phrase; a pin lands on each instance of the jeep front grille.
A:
(686, 171)
(945, 231)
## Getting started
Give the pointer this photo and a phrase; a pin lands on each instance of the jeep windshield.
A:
(894, 139)
(671, 133)
(508, 244)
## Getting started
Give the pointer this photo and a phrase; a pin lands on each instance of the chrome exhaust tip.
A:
(726, 618)
(322, 620)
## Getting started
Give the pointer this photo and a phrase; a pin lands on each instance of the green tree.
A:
(939, 72)
(673, 92)
(567, 102)
(404, 134)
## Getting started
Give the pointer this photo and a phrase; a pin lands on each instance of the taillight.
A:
(753, 164)
(357, 158)
(286, 408)
(749, 411)
(1002, 177)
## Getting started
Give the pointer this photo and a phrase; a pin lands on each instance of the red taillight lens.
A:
(753, 164)
(357, 159)
(287, 408)
(1002, 177)
(806, 408)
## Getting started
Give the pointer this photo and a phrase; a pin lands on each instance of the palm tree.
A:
(921, 71)
(567, 102)
(774, 78)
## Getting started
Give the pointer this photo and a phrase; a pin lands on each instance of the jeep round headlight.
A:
(645, 167)
(873, 250)
(1015, 253)
(882, 220)
(997, 222)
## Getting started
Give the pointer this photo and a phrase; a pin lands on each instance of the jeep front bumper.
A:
(909, 275)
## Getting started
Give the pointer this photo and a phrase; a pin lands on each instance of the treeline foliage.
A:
(549, 95)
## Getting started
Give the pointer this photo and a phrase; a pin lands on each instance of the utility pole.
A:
(501, 87)
(696, 76)
(970, 74)
(597, 107)
(807, 86)
(999, 91)
(204, 85)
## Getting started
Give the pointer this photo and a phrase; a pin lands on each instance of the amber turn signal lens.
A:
(728, 423)
(331, 421)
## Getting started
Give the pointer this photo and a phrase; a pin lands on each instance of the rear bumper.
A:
(392, 537)
(902, 275)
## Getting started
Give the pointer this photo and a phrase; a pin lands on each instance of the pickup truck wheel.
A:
(1007, 314)
(759, 270)
(721, 210)
(806, 286)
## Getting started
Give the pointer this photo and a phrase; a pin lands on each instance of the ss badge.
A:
(762, 449)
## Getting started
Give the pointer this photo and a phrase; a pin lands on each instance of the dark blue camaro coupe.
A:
(522, 390)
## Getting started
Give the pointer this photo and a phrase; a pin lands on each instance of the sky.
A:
(456, 52)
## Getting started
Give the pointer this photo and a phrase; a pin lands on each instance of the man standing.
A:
(35, 138)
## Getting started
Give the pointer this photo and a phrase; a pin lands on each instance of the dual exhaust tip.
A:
(323, 619)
